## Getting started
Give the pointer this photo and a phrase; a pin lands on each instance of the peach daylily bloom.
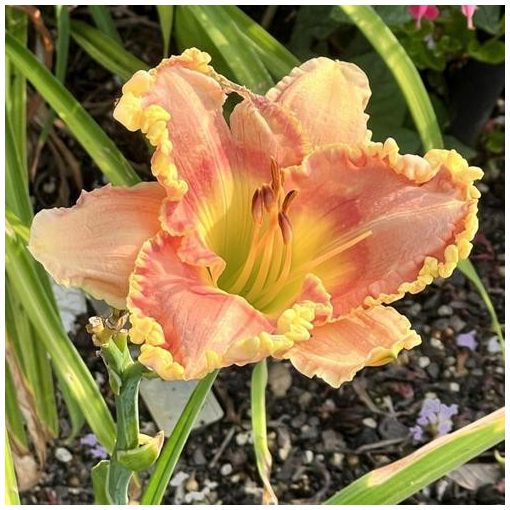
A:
(282, 233)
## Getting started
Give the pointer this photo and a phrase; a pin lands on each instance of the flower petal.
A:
(180, 109)
(270, 130)
(187, 324)
(336, 351)
(94, 244)
(377, 224)
(329, 99)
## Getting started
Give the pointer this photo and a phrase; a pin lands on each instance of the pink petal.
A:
(418, 12)
(469, 12)
(270, 130)
(336, 351)
(180, 108)
(93, 245)
(187, 325)
(329, 99)
(374, 224)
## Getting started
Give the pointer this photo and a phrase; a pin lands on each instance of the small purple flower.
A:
(95, 449)
(88, 440)
(98, 452)
(468, 340)
(434, 420)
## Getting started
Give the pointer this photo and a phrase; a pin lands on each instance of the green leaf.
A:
(166, 18)
(395, 482)
(487, 18)
(469, 271)
(106, 51)
(402, 68)
(62, 15)
(99, 475)
(16, 89)
(103, 20)
(68, 363)
(258, 423)
(174, 445)
(212, 30)
(278, 59)
(95, 141)
(13, 416)
(11, 485)
(490, 52)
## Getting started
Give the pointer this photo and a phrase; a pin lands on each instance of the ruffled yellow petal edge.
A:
(153, 119)
(420, 170)
(293, 326)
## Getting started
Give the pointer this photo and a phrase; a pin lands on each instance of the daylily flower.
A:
(281, 233)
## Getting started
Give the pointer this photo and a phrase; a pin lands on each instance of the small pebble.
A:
(308, 456)
(74, 481)
(423, 361)
(226, 469)
(430, 395)
(370, 423)
(445, 310)
(337, 459)
(455, 387)
(191, 485)
(305, 399)
(63, 455)
(242, 438)
(437, 344)
(352, 460)
(450, 360)
(433, 370)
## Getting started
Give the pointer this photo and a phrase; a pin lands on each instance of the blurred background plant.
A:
(64, 67)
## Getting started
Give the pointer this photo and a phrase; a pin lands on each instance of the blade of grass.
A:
(278, 59)
(402, 68)
(420, 106)
(33, 360)
(166, 18)
(63, 31)
(165, 465)
(106, 51)
(11, 485)
(13, 416)
(212, 30)
(66, 359)
(103, 20)
(258, 424)
(469, 270)
(17, 25)
(395, 482)
(95, 141)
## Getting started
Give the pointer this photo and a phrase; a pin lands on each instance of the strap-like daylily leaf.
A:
(67, 361)
(106, 51)
(95, 141)
(395, 482)
(11, 485)
(166, 18)
(104, 22)
(171, 452)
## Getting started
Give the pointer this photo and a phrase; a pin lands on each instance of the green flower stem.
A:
(258, 421)
(126, 405)
(125, 376)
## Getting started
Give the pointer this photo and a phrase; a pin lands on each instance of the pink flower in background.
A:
(431, 12)
(418, 12)
(469, 11)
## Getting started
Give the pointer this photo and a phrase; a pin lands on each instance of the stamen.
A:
(285, 227)
(268, 197)
(275, 176)
(287, 201)
(257, 203)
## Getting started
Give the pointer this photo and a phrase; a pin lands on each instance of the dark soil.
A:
(321, 439)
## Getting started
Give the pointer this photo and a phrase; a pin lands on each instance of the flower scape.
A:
(284, 232)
